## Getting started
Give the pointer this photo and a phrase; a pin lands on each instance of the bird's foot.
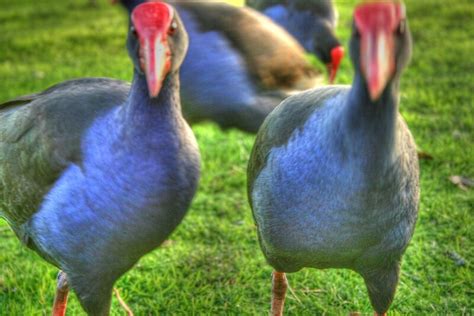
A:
(122, 303)
(62, 291)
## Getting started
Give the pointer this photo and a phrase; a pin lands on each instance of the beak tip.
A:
(153, 93)
(153, 89)
(375, 93)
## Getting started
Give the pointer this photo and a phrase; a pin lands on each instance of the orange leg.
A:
(279, 286)
(378, 314)
(62, 291)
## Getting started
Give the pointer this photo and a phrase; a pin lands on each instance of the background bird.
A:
(240, 65)
(333, 178)
(92, 183)
(311, 22)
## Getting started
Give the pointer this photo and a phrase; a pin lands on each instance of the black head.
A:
(317, 19)
(129, 4)
(312, 23)
(326, 46)
(157, 42)
(323, 8)
(380, 45)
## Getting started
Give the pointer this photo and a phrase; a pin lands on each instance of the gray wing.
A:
(280, 125)
(40, 135)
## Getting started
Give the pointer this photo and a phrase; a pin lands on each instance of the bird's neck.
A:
(141, 110)
(370, 127)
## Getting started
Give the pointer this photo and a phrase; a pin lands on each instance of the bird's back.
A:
(273, 58)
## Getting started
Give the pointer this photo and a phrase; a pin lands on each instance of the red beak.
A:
(377, 61)
(337, 53)
(377, 23)
(157, 58)
(152, 21)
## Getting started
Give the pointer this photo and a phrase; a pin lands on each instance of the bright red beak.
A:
(152, 21)
(377, 23)
(337, 53)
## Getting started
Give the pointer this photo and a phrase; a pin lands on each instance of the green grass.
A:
(213, 264)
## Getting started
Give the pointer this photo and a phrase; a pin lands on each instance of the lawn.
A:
(212, 264)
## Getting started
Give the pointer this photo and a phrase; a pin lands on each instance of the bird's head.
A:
(128, 4)
(312, 23)
(327, 47)
(157, 42)
(380, 43)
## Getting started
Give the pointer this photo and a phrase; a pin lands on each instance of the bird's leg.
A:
(378, 314)
(279, 286)
(62, 291)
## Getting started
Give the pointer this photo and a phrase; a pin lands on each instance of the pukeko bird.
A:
(240, 64)
(311, 22)
(333, 178)
(92, 183)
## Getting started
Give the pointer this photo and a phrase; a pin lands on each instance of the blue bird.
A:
(333, 178)
(92, 181)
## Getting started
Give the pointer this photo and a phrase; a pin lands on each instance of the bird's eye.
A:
(133, 30)
(173, 28)
(355, 32)
(402, 27)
